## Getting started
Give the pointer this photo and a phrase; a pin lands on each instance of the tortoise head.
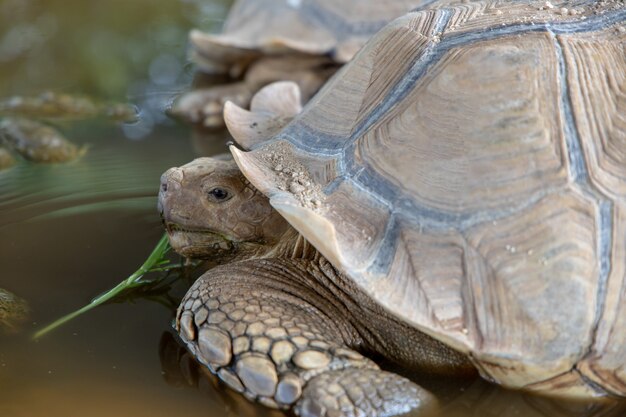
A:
(210, 210)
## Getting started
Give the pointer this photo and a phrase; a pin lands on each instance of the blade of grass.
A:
(153, 263)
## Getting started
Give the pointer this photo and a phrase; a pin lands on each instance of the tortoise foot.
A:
(249, 324)
(363, 392)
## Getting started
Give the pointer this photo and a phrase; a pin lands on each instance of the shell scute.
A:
(596, 75)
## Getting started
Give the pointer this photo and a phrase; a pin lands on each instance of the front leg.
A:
(272, 338)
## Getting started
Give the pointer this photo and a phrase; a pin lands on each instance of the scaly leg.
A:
(270, 336)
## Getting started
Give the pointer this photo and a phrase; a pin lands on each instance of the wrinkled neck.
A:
(294, 246)
(290, 245)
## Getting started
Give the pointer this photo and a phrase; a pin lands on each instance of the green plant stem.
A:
(155, 259)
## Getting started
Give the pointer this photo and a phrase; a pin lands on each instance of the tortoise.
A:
(35, 141)
(25, 127)
(263, 41)
(454, 198)
(13, 311)
(305, 41)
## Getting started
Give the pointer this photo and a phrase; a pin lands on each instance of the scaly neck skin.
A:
(290, 245)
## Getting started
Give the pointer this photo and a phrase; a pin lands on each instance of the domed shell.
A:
(468, 170)
(317, 27)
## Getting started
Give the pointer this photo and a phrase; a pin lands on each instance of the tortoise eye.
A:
(219, 194)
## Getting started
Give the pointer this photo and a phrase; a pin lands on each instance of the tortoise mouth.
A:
(197, 242)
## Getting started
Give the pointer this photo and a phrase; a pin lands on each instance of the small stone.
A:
(240, 345)
(261, 344)
(230, 379)
(215, 346)
(296, 188)
(255, 329)
(548, 5)
(187, 328)
(258, 375)
(564, 11)
(289, 389)
(278, 167)
(311, 359)
(282, 352)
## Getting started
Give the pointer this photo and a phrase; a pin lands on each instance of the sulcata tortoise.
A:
(304, 41)
(455, 198)
(263, 41)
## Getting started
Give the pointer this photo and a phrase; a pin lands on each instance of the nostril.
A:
(164, 187)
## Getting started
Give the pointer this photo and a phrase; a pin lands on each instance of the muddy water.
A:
(70, 231)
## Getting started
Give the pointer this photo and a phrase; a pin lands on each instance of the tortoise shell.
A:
(316, 27)
(337, 29)
(468, 170)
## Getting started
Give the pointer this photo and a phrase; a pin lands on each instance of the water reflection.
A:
(460, 398)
